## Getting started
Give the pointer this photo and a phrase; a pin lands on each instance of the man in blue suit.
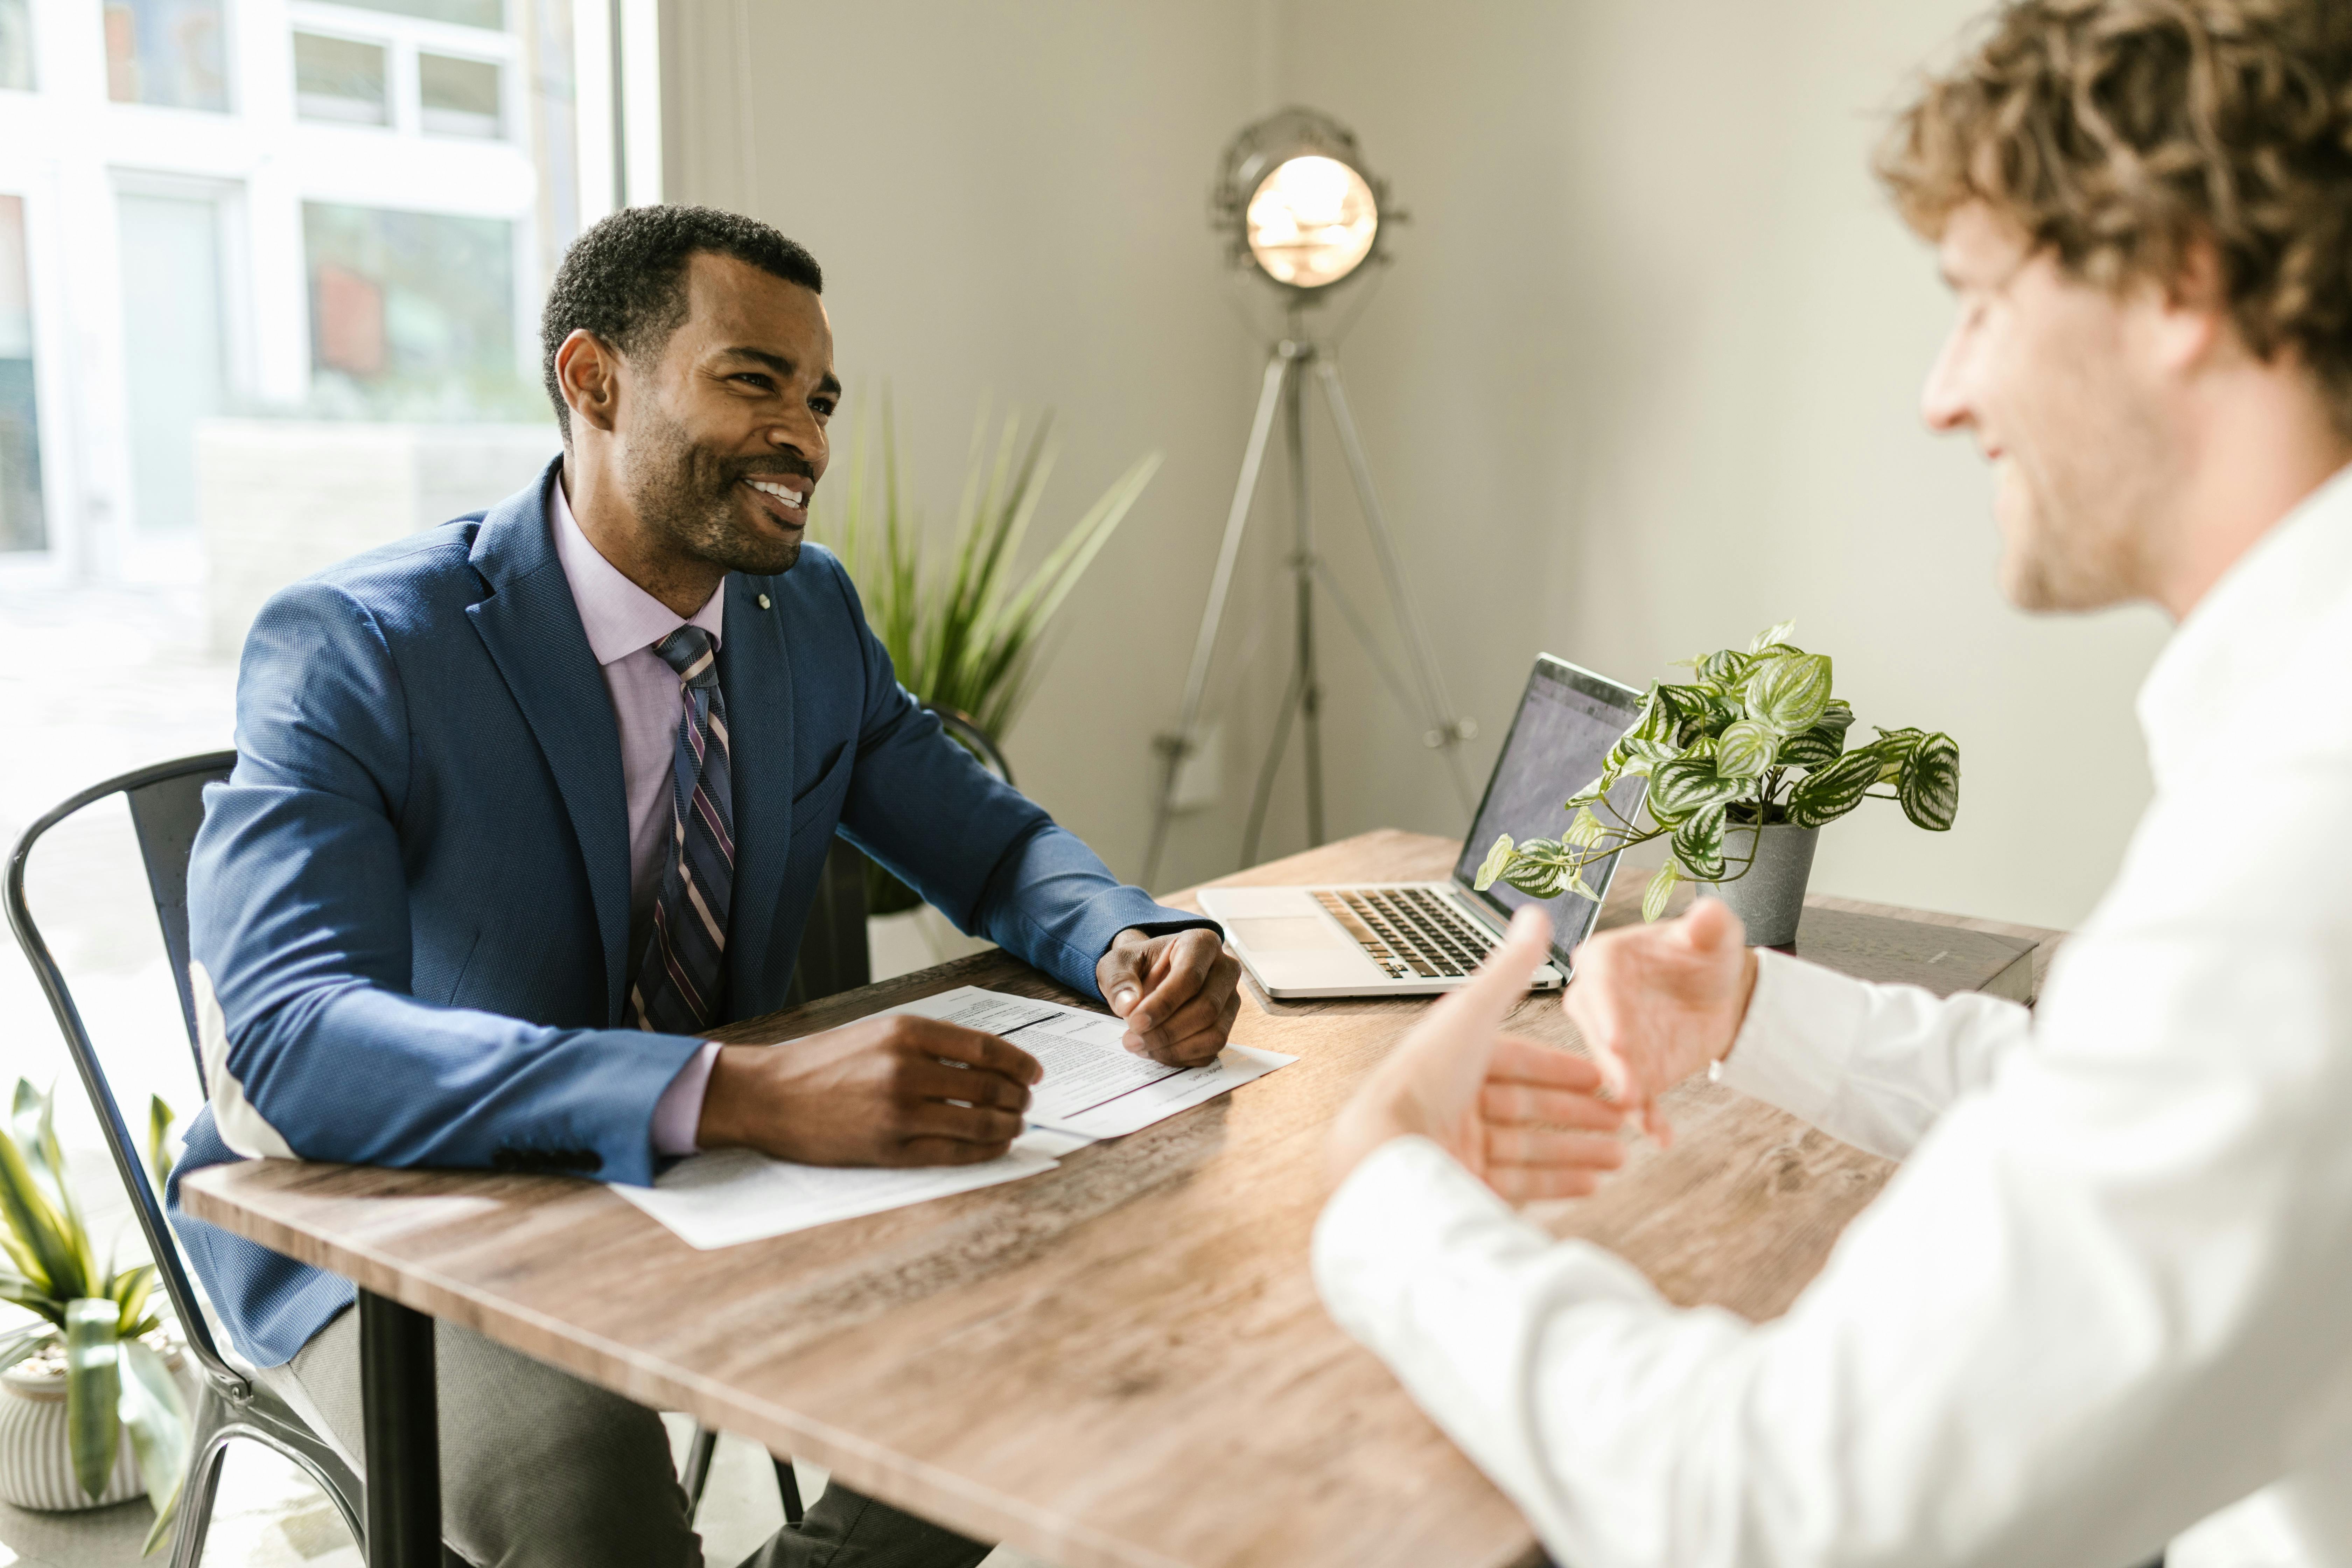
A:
(526, 805)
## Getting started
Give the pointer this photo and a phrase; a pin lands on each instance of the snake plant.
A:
(96, 1314)
(962, 625)
(1754, 737)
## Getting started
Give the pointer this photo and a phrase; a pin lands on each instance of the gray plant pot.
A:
(1770, 897)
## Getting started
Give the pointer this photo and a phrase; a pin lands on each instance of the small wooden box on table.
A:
(1122, 1361)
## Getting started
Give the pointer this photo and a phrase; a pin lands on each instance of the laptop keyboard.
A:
(1408, 930)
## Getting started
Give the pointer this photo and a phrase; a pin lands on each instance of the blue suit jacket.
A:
(411, 898)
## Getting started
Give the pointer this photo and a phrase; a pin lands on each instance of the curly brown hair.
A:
(2118, 133)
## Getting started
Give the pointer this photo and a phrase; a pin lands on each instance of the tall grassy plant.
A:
(113, 1382)
(965, 626)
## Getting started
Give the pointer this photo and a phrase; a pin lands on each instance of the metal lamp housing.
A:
(1297, 203)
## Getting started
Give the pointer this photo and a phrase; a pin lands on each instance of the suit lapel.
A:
(531, 628)
(755, 671)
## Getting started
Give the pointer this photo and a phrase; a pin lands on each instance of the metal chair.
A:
(965, 731)
(167, 804)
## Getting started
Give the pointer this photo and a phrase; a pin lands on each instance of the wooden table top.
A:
(1122, 1361)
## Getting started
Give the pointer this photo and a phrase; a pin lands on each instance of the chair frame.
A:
(230, 1404)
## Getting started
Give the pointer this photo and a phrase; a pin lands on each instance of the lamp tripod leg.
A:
(1263, 794)
(1442, 729)
(1178, 746)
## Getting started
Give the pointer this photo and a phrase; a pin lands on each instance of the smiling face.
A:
(722, 438)
(2060, 381)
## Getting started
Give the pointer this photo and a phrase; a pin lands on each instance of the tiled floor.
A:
(94, 682)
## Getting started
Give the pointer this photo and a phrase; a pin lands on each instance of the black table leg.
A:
(404, 1441)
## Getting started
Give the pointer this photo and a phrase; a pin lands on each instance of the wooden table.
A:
(1122, 1361)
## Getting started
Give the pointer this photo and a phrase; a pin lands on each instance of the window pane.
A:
(465, 13)
(174, 347)
(16, 45)
(412, 314)
(22, 526)
(167, 52)
(460, 98)
(339, 78)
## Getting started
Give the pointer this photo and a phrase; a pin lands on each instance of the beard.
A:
(689, 493)
(2078, 534)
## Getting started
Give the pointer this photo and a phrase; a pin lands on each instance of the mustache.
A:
(771, 467)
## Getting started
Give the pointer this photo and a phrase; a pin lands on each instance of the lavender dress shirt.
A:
(624, 622)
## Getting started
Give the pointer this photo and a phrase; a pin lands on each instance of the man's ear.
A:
(2193, 308)
(589, 372)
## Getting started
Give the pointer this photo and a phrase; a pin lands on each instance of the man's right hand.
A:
(880, 1091)
(1658, 1003)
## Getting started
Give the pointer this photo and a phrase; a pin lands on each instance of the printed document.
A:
(1093, 1088)
(1093, 1085)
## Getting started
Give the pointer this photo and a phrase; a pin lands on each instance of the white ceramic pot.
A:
(37, 1456)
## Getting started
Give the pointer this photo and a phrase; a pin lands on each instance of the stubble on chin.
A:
(2068, 561)
(691, 497)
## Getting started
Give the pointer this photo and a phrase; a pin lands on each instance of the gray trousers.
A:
(539, 1469)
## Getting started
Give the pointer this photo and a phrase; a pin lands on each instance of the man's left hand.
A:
(1178, 994)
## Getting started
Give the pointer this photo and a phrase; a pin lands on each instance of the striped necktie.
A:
(682, 977)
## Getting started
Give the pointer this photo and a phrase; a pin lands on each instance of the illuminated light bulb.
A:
(1311, 221)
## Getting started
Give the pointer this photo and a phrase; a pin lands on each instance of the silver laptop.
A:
(1406, 939)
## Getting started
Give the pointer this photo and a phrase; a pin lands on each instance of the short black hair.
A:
(624, 279)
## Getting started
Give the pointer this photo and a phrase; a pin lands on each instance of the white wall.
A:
(1007, 200)
(1643, 379)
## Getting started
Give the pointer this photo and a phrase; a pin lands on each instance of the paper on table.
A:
(732, 1196)
(1094, 1086)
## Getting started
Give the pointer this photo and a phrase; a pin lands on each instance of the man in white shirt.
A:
(2104, 1310)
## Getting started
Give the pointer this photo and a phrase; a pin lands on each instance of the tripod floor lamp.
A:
(1303, 212)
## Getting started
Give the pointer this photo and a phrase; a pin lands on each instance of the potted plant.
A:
(91, 1413)
(1746, 764)
(966, 637)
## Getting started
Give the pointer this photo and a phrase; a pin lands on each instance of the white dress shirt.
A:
(2109, 1293)
(624, 622)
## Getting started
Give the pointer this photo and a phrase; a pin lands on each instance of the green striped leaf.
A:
(1829, 792)
(93, 1389)
(1744, 750)
(1895, 748)
(1497, 858)
(159, 1141)
(1660, 888)
(19, 1342)
(1790, 694)
(1584, 829)
(1698, 844)
(1773, 636)
(155, 1415)
(43, 1250)
(1821, 744)
(1688, 785)
(1725, 671)
(1929, 784)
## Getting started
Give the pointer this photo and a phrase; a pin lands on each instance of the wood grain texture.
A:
(1120, 1363)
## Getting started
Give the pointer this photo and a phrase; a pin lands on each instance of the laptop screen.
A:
(1566, 724)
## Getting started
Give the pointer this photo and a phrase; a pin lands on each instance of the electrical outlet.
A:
(1201, 777)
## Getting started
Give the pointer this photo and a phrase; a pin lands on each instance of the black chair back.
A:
(166, 804)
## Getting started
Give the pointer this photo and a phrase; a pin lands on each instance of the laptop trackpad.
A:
(1291, 934)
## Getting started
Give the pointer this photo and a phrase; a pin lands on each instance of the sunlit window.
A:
(340, 80)
(16, 46)
(173, 53)
(459, 97)
(413, 314)
(22, 525)
(465, 13)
